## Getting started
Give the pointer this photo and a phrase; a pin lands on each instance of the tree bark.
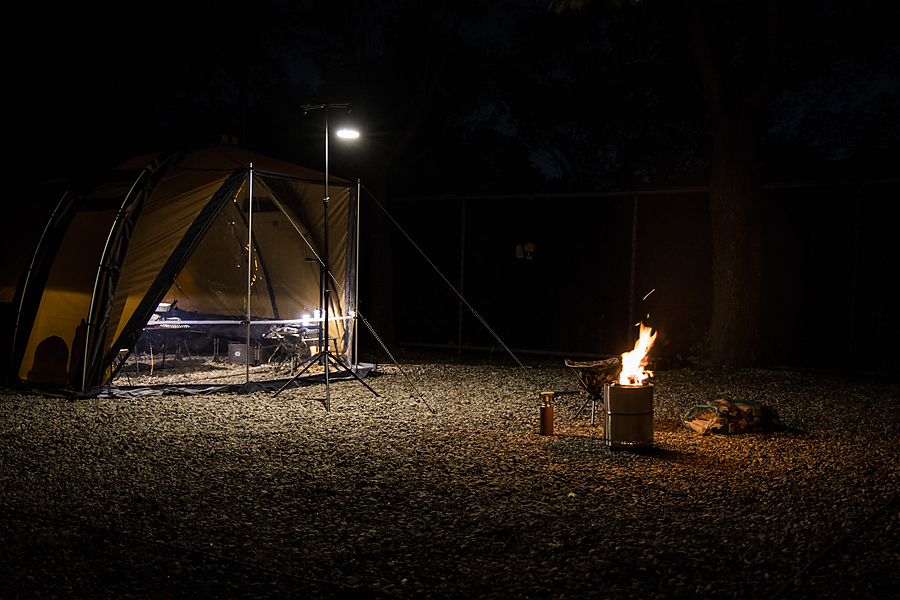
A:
(735, 188)
(736, 211)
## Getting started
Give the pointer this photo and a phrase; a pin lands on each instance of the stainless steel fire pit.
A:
(629, 401)
(627, 409)
(628, 415)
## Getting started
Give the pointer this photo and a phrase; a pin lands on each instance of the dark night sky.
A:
(104, 85)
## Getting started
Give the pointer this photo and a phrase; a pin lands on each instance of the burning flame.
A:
(633, 362)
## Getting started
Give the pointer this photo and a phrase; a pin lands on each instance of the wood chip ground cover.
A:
(264, 496)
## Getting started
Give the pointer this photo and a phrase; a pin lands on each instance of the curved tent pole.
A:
(103, 266)
(39, 249)
(94, 362)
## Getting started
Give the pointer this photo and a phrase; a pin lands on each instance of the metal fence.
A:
(571, 274)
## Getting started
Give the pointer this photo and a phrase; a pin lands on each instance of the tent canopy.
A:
(177, 228)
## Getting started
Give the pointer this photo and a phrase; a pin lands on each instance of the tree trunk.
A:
(736, 212)
(736, 105)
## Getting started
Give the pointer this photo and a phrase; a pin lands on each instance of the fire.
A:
(633, 362)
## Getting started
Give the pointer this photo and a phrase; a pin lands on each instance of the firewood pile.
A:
(722, 416)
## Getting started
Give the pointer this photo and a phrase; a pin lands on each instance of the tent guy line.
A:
(447, 281)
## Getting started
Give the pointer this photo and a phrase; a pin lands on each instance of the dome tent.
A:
(161, 228)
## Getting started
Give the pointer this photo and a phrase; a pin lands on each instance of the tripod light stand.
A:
(325, 357)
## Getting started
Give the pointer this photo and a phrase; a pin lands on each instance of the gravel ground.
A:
(443, 487)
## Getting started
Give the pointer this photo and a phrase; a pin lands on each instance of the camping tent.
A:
(170, 228)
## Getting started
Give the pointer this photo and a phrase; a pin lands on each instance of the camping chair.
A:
(292, 344)
(593, 376)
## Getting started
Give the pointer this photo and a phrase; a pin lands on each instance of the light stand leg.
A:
(320, 357)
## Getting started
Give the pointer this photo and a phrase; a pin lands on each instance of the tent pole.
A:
(101, 268)
(326, 285)
(356, 282)
(249, 275)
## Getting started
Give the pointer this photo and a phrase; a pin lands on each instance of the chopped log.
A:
(723, 416)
